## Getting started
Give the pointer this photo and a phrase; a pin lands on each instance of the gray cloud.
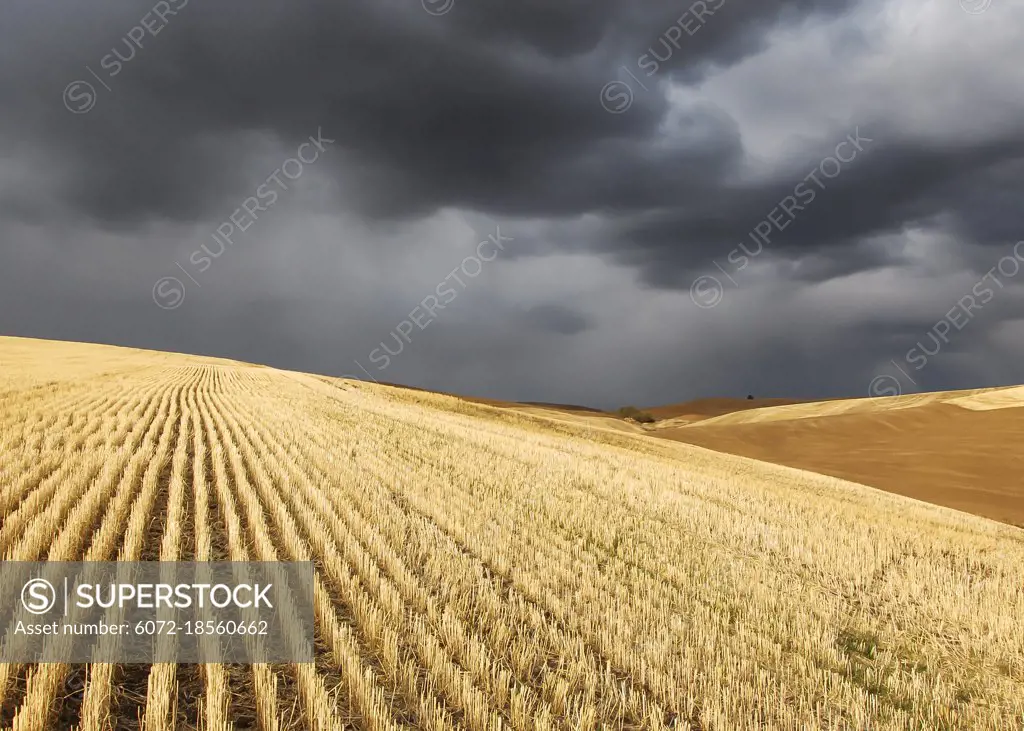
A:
(492, 112)
(557, 318)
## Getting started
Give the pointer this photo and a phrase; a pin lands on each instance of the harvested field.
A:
(480, 568)
(957, 448)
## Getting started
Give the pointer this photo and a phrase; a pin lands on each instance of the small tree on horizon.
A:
(632, 412)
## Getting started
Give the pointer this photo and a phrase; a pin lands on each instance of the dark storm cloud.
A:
(494, 109)
(894, 183)
(491, 107)
(557, 319)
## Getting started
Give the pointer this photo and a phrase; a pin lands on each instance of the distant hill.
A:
(708, 407)
(960, 449)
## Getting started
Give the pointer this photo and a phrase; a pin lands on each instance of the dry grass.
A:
(482, 569)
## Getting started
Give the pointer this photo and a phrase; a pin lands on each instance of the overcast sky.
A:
(582, 201)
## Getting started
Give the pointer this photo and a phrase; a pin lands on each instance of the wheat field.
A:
(481, 569)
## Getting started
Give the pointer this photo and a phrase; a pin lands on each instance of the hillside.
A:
(706, 408)
(480, 568)
(957, 448)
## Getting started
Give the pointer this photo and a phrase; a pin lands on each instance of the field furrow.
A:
(44, 683)
(72, 540)
(128, 515)
(362, 539)
(377, 611)
(38, 484)
(161, 694)
(264, 680)
(209, 680)
(528, 655)
(311, 685)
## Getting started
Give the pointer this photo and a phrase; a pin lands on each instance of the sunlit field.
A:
(484, 569)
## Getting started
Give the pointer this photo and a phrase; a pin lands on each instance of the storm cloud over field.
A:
(599, 202)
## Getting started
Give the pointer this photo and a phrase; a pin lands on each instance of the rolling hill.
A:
(480, 568)
(959, 448)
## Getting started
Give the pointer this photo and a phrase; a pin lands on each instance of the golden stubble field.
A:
(479, 568)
